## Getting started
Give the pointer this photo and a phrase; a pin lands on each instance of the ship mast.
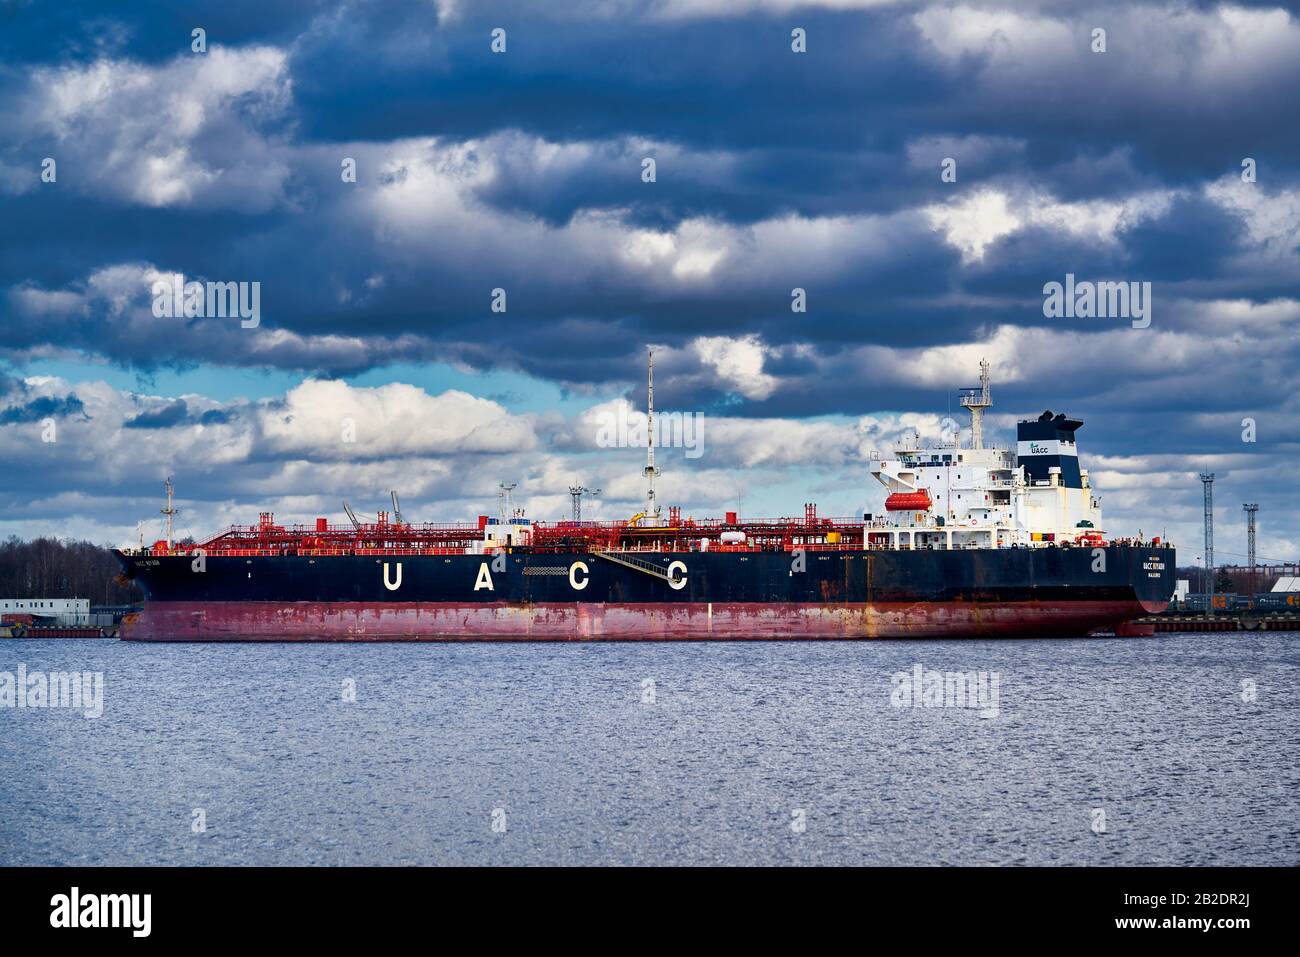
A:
(976, 401)
(651, 508)
(169, 511)
(507, 506)
(577, 491)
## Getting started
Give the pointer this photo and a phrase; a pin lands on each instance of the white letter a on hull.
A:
(484, 579)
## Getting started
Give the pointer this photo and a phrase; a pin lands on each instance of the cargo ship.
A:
(973, 541)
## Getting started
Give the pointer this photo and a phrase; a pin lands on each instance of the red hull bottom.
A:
(399, 621)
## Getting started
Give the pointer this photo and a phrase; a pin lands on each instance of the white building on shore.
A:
(65, 611)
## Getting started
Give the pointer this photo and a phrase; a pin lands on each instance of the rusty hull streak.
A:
(695, 621)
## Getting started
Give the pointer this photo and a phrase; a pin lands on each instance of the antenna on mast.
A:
(651, 507)
(976, 401)
(169, 511)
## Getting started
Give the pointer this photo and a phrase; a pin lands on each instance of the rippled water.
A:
(738, 739)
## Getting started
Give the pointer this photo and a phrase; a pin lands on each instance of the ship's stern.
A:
(1153, 570)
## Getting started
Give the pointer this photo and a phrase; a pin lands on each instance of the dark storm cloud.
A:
(45, 407)
(216, 417)
(164, 417)
(149, 30)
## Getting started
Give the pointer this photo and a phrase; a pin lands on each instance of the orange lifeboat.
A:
(908, 502)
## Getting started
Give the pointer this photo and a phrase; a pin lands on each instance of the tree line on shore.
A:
(52, 568)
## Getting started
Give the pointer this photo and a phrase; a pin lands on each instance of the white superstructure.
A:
(949, 495)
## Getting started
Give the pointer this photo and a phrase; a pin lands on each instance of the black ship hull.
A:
(549, 596)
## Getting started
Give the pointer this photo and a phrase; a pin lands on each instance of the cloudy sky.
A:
(524, 171)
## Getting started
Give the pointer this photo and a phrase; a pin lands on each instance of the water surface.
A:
(584, 768)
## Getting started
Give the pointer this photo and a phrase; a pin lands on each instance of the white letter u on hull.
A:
(393, 586)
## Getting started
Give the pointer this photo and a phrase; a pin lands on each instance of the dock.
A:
(1182, 622)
